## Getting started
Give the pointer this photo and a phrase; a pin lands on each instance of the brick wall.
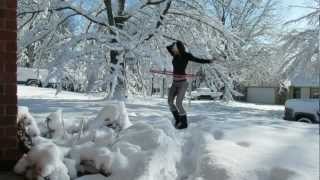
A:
(8, 88)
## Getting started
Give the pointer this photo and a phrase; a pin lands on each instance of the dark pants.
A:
(177, 90)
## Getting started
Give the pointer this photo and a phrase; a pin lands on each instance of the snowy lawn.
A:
(224, 141)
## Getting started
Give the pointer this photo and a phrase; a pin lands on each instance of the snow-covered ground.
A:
(224, 141)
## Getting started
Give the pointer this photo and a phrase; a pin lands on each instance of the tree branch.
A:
(88, 17)
(152, 3)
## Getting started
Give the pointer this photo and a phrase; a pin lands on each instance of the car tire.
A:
(305, 120)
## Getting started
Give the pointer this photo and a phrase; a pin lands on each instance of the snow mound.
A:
(151, 154)
(99, 156)
(112, 115)
(27, 122)
(43, 160)
(227, 160)
(55, 125)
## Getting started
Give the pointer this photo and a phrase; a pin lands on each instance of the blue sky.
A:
(289, 12)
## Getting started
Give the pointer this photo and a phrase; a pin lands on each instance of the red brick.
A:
(8, 13)
(10, 68)
(1, 152)
(12, 4)
(12, 154)
(11, 131)
(8, 120)
(3, 23)
(11, 46)
(1, 69)
(7, 35)
(8, 142)
(11, 25)
(4, 14)
(11, 110)
(10, 89)
(3, 4)
(8, 57)
(2, 132)
(3, 46)
(8, 99)
(1, 88)
(2, 110)
(9, 77)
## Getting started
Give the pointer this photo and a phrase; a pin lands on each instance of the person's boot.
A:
(183, 122)
(176, 118)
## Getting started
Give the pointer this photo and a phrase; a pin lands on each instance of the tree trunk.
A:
(117, 92)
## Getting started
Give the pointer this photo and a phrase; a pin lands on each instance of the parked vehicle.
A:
(38, 77)
(205, 93)
(31, 76)
(302, 110)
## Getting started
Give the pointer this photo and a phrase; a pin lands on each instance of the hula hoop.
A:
(170, 73)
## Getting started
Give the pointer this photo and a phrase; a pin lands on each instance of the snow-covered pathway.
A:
(231, 141)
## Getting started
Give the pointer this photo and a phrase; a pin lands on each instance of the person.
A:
(179, 84)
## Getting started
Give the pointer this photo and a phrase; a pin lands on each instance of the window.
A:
(296, 93)
(314, 92)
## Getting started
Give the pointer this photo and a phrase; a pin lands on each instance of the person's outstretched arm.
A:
(169, 48)
(190, 57)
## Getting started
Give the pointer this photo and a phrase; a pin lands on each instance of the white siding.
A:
(305, 93)
(261, 95)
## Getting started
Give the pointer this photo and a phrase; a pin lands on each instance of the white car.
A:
(205, 93)
(302, 110)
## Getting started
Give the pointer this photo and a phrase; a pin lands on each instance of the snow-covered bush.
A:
(119, 155)
(114, 116)
(55, 124)
(103, 136)
(43, 160)
(27, 128)
(71, 166)
(99, 156)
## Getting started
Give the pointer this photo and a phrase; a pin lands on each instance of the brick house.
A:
(8, 89)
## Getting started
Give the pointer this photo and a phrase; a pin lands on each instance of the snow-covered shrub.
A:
(144, 152)
(114, 116)
(119, 162)
(106, 116)
(71, 166)
(124, 121)
(99, 156)
(103, 136)
(27, 128)
(43, 160)
(22, 165)
(55, 124)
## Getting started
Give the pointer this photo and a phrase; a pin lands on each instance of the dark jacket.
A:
(180, 62)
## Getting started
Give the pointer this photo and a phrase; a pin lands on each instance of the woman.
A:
(179, 83)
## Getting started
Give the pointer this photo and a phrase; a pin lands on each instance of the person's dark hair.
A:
(181, 47)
